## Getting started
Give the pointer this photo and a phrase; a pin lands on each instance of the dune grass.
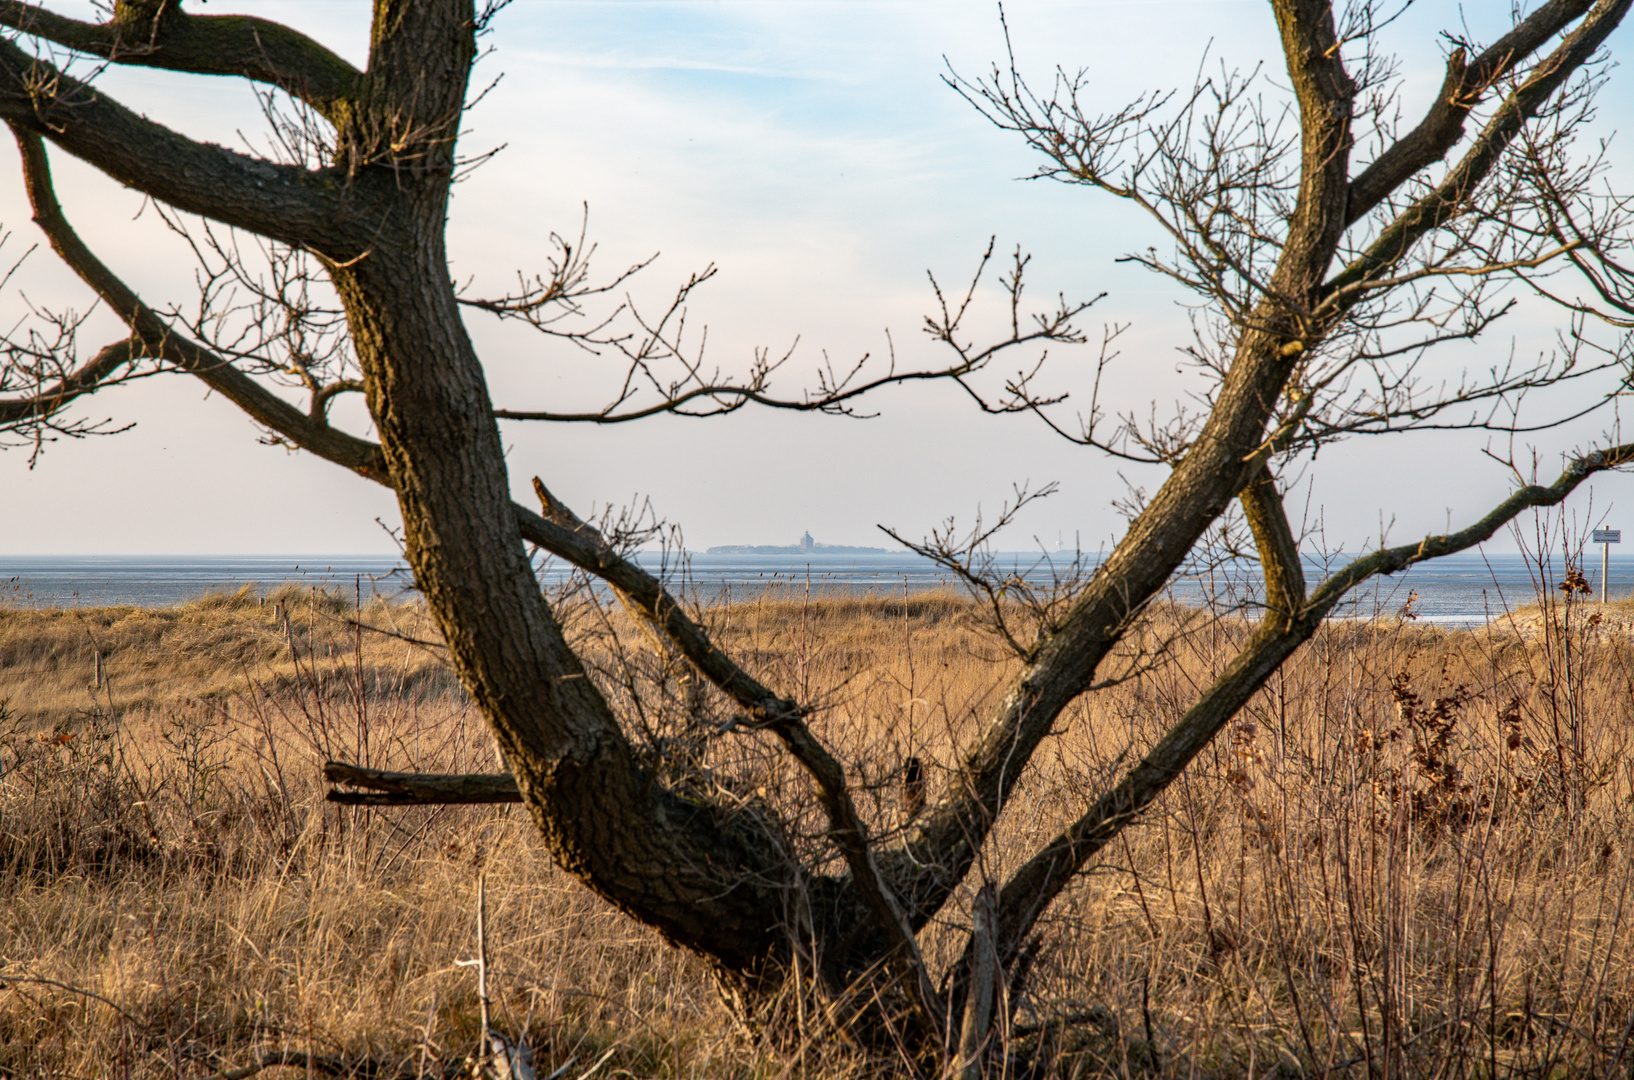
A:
(211, 649)
(1409, 857)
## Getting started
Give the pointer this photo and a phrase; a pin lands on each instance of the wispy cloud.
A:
(624, 62)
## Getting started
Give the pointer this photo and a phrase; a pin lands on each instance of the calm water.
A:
(161, 580)
(1461, 589)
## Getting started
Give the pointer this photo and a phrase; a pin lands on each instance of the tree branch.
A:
(697, 393)
(1325, 91)
(163, 36)
(564, 535)
(1449, 197)
(646, 598)
(324, 211)
(941, 844)
(1278, 549)
(1462, 90)
(730, 397)
(154, 337)
(46, 402)
(414, 789)
(1031, 889)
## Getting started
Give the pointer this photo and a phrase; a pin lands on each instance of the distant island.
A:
(806, 546)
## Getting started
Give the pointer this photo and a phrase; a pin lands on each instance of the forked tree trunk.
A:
(715, 880)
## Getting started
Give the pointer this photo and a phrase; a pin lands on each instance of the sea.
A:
(1468, 589)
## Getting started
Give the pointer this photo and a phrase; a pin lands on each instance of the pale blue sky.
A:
(811, 151)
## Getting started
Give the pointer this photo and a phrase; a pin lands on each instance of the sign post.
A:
(1605, 538)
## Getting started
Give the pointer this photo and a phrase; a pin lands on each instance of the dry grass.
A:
(212, 649)
(1408, 858)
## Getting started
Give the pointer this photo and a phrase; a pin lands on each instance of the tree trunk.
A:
(709, 882)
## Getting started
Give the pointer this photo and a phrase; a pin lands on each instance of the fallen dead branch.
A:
(407, 789)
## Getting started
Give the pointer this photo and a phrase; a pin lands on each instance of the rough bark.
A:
(323, 210)
(706, 880)
(162, 35)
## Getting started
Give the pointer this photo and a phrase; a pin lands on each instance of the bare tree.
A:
(1328, 251)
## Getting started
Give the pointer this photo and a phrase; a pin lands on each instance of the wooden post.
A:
(1605, 538)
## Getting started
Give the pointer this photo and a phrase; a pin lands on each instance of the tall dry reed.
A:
(1408, 857)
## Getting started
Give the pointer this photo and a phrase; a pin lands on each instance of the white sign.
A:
(1608, 536)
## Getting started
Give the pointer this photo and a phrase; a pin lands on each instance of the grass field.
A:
(1410, 857)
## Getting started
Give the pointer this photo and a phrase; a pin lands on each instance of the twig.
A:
(129, 1019)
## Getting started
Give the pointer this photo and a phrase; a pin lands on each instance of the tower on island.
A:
(807, 543)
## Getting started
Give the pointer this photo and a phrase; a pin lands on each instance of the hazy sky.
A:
(811, 151)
